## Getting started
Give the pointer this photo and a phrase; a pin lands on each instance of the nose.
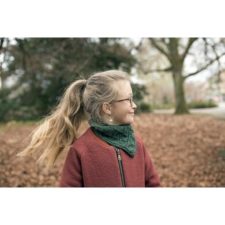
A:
(133, 105)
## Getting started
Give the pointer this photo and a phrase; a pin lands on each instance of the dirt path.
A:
(217, 112)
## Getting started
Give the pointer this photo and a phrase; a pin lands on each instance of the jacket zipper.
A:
(120, 167)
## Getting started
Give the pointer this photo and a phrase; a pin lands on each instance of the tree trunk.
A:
(181, 106)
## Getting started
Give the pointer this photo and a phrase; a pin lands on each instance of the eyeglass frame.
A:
(130, 99)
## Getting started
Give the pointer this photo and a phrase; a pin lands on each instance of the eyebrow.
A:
(130, 95)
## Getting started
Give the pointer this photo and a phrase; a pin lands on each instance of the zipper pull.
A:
(118, 154)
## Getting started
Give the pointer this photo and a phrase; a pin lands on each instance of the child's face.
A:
(122, 112)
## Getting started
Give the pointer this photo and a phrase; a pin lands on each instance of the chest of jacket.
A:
(106, 168)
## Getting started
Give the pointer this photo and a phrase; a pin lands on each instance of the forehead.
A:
(123, 88)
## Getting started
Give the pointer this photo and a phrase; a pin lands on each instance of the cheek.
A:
(119, 111)
(122, 114)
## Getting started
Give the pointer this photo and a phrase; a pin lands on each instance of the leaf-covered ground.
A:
(187, 151)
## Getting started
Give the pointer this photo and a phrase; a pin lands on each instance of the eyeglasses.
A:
(126, 99)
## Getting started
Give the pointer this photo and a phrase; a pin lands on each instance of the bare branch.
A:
(163, 40)
(213, 46)
(136, 47)
(206, 49)
(159, 48)
(190, 43)
(168, 69)
(1, 43)
(204, 67)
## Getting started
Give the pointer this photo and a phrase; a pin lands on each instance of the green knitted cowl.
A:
(120, 136)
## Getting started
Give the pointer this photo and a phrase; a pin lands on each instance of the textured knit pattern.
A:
(120, 136)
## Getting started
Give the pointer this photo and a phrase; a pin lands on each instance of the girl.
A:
(108, 154)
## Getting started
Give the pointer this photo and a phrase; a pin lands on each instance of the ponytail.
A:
(60, 128)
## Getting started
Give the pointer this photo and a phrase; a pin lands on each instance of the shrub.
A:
(143, 107)
(202, 104)
(163, 106)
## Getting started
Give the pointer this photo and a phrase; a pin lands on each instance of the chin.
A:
(129, 121)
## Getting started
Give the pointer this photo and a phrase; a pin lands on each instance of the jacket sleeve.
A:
(151, 176)
(71, 174)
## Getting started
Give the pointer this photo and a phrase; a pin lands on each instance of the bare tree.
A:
(176, 50)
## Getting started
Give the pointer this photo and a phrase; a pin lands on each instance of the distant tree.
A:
(44, 67)
(204, 52)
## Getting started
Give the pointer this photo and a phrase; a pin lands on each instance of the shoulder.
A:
(88, 141)
(140, 143)
(138, 138)
(81, 141)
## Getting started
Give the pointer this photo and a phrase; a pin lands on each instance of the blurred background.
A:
(178, 86)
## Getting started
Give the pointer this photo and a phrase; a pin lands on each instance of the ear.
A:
(106, 108)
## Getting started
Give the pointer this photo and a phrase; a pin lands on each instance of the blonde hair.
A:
(82, 99)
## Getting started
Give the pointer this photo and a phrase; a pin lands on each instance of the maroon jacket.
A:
(91, 162)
